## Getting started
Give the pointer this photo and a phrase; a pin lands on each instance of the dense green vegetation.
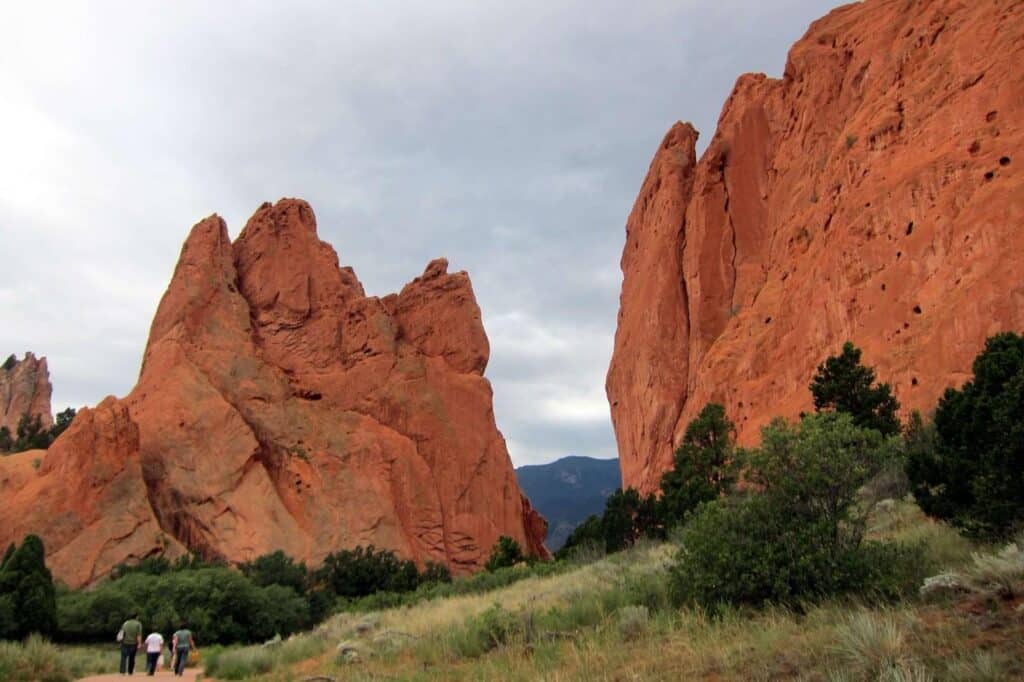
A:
(969, 468)
(798, 532)
(271, 595)
(31, 435)
(27, 596)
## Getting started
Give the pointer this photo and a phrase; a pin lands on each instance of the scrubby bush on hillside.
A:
(506, 552)
(704, 468)
(972, 472)
(843, 384)
(27, 595)
(798, 533)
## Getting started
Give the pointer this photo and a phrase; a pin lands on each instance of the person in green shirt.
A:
(181, 644)
(131, 640)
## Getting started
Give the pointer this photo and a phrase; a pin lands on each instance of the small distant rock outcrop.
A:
(25, 389)
(873, 194)
(569, 490)
(281, 408)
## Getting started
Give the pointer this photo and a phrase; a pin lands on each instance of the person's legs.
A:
(151, 659)
(124, 659)
(132, 650)
(179, 667)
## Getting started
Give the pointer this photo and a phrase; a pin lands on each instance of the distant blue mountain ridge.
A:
(569, 490)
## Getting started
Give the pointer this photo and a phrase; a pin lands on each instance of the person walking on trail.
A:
(130, 637)
(182, 644)
(154, 647)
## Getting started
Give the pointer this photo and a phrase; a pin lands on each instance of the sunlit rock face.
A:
(873, 193)
(279, 407)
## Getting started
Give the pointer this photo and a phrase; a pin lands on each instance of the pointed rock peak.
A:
(680, 135)
(287, 216)
(436, 268)
(209, 235)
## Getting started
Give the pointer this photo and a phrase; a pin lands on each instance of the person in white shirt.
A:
(154, 647)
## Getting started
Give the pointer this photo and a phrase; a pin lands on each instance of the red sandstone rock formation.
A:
(25, 389)
(85, 496)
(279, 407)
(873, 193)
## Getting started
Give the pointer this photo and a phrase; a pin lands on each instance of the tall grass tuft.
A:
(35, 660)
(981, 666)
(873, 644)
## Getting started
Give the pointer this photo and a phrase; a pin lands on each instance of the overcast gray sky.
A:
(509, 137)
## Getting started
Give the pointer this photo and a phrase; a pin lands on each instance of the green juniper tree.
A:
(843, 384)
(27, 592)
(969, 469)
(704, 468)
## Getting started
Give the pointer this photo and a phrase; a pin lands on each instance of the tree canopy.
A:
(843, 384)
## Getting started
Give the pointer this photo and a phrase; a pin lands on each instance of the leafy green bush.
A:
(799, 534)
(493, 628)
(277, 568)
(362, 571)
(971, 472)
(506, 552)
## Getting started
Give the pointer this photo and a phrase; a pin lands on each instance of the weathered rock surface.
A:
(873, 193)
(25, 389)
(85, 496)
(279, 407)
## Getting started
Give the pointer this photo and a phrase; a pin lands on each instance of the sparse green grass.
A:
(612, 620)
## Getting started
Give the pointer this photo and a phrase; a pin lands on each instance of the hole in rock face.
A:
(991, 116)
(975, 147)
(767, 320)
(883, 287)
(910, 227)
(1004, 161)
(989, 176)
(917, 309)
(899, 254)
(906, 325)
(913, 381)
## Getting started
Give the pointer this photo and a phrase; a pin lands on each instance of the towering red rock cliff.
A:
(279, 407)
(24, 389)
(873, 193)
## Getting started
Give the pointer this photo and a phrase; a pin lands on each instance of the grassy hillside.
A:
(610, 620)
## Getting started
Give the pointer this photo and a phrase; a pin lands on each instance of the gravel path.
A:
(189, 676)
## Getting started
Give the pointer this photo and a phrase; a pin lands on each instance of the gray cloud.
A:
(509, 137)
